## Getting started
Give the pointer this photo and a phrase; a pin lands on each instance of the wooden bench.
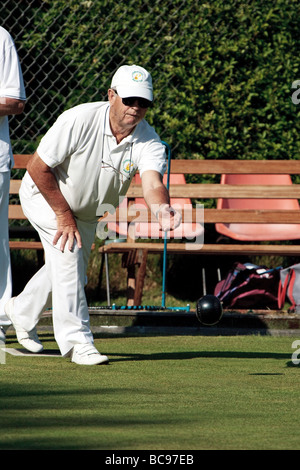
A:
(22, 236)
(136, 251)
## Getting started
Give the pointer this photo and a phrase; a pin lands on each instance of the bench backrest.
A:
(202, 191)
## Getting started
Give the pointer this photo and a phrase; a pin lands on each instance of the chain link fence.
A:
(222, 71)
(69, 51)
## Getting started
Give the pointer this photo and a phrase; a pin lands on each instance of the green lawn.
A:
(158, 393)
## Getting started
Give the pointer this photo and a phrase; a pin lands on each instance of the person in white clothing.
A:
(85, 161)
(12, 102)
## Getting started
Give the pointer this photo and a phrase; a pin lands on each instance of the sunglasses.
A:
(142, 102)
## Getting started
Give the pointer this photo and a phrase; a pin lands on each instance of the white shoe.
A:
(88, 355)
(28, 339)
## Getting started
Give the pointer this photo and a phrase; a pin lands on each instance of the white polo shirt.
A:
(11, 86)
(92, 170)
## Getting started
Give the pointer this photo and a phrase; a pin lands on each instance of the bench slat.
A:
(207, 191)
(210, 191)
(211, 216)
(252, 216)
(14, 186)
(213, 249)
(25, 245)
(15, 212)
(290, 167)
(21, 161)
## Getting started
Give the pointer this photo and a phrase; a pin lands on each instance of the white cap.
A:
(132, 80)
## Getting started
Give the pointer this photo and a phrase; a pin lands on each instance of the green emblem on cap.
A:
(137, 76)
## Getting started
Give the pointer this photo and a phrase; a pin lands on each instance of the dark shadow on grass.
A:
(267, 373)
(171, 356)
(179, 356)
(70, 423)
(11, 393)
(292, 364)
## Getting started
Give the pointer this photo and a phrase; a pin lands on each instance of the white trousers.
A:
(60, 282)
(5, 266)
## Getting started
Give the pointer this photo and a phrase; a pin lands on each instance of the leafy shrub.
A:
(222, 71)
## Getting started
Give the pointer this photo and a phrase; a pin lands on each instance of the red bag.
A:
(249, 286)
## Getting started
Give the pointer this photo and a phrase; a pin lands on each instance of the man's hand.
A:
(67, 231)
(156, 196)
(45, 180)
(168, 218)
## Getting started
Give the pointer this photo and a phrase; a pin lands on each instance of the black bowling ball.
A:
(209, 310)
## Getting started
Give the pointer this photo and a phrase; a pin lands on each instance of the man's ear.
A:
(111, 94)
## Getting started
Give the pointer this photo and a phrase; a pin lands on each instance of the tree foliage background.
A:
(222, 70)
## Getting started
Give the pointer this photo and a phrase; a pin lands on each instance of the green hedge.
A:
(223, 70)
